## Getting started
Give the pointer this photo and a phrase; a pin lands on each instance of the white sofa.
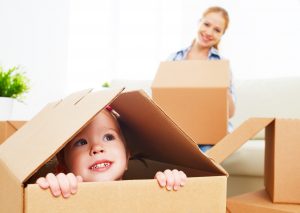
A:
(278, 97)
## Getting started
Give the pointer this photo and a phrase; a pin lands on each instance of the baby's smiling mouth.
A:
(100, 165)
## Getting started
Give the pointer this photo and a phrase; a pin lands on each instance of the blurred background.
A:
(69, 45)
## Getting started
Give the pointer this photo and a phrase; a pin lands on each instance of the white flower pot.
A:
(6, 106)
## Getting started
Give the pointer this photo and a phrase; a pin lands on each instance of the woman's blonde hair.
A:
(224, 14)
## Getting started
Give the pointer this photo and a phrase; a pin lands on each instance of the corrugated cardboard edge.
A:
(231, 142)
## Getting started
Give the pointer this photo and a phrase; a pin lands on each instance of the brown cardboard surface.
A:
(11, 191)
(131, 196)
(282, 162)
(156, 143)
(7, 128)
(194, 95)
(282, 170)
(269, 159)
(140, 118)
(258, 202)
(231, 142)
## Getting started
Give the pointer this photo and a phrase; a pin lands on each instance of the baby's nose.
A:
(97, 149)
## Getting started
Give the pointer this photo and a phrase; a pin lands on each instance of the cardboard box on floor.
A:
(282, 168)
(194, 94)
(7, 128)
(258, 202)
(148, 130)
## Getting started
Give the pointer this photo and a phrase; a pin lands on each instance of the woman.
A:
(212, 27)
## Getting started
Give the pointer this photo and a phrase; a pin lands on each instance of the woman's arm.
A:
(231, 105)
(231, 96)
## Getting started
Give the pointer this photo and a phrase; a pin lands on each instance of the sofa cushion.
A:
(277, 97)
(248, 160)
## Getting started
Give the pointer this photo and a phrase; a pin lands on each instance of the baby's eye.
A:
(108, 137)
(217, 30)
(80, 142)
(206, 24)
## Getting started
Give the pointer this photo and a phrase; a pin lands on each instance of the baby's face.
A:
(98, 152)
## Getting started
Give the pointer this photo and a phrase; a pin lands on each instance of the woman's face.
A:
(98, 152)
(211, 29)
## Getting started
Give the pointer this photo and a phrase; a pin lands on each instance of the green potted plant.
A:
(13, 85)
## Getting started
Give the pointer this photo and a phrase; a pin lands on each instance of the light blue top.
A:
(213, 54)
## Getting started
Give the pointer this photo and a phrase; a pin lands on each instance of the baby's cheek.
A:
(75, 163)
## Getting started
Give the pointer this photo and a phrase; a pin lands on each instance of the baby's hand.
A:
(171, 179)
(60, 184)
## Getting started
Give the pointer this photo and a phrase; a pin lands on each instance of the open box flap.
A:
(42, 137)
(155, 136)
(231, 142)
(192, 74)
(16, 124)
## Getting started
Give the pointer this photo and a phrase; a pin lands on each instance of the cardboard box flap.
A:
(231, 142)
(11, 190)
(48, 128)
(192, 74)
(158, 137)
(16, 124)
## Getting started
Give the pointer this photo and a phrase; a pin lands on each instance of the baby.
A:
(98, 153)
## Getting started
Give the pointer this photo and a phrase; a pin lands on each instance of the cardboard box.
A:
(29, 149)
(194, 94)
(282, 168)
(258, 202)
(7, 128)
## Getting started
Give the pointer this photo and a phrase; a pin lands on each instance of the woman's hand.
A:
(60, 184)
(171, 179)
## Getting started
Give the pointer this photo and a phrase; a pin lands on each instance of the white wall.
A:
(113, 39)
(70, 45)
(34, 34)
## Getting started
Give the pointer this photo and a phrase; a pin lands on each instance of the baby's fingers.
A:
(177, 179)
(161, 179)
(53, 184)
(170, 179)
(65, 184)
(183, 178)
(79, 179)
(73, 182)
(42, 182)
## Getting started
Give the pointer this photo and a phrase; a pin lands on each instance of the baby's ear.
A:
(128, 155)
